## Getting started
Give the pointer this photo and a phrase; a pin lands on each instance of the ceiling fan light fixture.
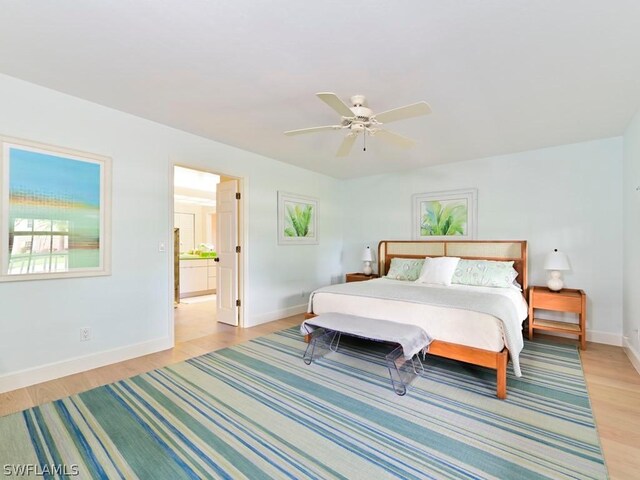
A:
(359, 101)
(360, 118)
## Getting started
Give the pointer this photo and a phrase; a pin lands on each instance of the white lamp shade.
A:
(556, 261)
(366, 255)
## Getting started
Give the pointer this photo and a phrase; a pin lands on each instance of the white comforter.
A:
(460, 326)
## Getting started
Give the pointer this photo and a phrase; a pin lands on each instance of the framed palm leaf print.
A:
(445, 215)
(297, 219)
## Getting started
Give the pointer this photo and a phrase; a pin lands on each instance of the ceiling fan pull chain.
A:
(364, 141)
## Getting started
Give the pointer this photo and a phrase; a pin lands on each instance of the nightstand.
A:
(566, 300)
(360, 277)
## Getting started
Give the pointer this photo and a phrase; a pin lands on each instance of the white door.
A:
(227, 233)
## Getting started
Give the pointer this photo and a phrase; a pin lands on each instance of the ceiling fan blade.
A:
(400, 113)
(395, 139)
(334, 102)
(346, 145)
(312, 129)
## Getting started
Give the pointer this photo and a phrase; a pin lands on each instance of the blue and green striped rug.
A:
(257, 411)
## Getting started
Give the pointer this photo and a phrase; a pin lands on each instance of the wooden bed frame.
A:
(498, 250)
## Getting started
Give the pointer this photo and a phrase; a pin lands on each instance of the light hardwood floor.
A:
(614, 390)
(197, 333)
(613, 383)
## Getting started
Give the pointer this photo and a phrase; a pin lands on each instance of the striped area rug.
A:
(257, 411)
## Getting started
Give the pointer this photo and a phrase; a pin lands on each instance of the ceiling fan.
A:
(360, 119)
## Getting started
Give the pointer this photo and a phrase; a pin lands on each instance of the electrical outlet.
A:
(85, 334)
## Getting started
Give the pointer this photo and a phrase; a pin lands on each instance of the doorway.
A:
(207, 253)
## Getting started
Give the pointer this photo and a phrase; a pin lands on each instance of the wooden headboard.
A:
(498, 250)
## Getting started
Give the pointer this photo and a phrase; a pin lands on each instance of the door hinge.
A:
(238, 196)
(238, 249)
(238, 303)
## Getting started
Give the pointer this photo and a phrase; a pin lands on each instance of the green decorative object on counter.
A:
(189, 256)
(197, 254)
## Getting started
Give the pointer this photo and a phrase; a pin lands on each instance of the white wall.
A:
(128, 311)
(631, 169)
(566, 197)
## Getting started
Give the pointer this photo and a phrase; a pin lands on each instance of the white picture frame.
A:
(460, 208)
(297, 219)
(55, 206)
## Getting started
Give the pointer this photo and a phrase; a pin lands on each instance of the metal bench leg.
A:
(397, 384)
(336, 338)
(418, 367)
(308, 357)
(322, 342)
(401, 373)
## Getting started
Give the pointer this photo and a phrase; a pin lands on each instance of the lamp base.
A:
(555, 282)
(367, 270)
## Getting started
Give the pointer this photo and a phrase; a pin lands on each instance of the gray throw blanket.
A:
(498, 306)
(412, 338)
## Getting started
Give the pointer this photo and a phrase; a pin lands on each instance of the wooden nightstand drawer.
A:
(566, 302)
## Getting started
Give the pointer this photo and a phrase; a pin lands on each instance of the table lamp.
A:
(556, 262)
(367, 259)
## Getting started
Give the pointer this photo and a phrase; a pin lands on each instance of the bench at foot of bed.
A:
(476, 356)
(403, 362)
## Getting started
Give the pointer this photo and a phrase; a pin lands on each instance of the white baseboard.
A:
(592, 336)
(604, 337)
(276, 315)
(633, 354)
(51, 371)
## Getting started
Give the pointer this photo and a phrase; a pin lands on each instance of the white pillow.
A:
(438, 270)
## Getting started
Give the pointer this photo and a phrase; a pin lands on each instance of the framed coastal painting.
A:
(446, 215)
(297, 219)
(55, 205)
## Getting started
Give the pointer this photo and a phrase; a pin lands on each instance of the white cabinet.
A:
(193, 277)
(197, 277)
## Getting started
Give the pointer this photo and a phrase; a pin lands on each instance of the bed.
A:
(462, 334)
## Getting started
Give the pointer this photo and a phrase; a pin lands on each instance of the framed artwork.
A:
(443, 215)
(297, 219)
(55, 205)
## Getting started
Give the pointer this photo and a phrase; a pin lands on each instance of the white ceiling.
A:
(194, 186)
(500, 75)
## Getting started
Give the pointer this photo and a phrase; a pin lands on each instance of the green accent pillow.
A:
(484, 273)
(405, 269)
